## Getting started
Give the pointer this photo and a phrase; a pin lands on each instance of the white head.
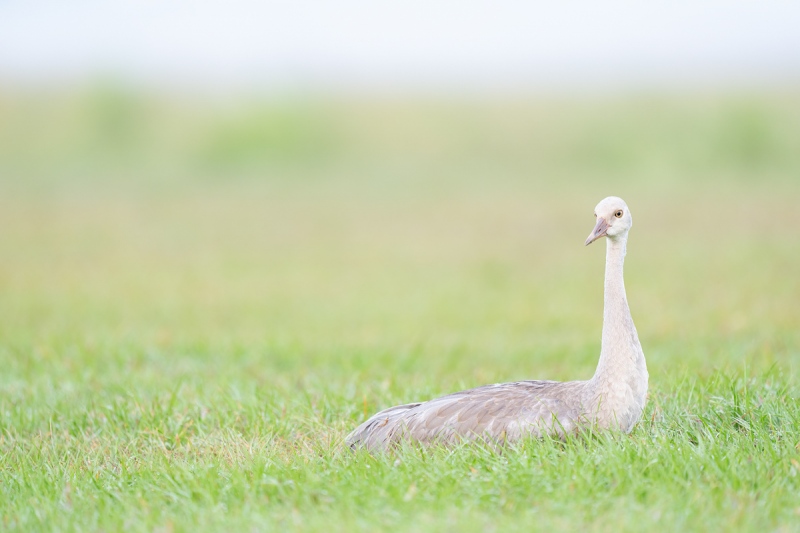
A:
(613, 219)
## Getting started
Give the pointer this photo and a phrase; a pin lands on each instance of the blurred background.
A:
(388, 181)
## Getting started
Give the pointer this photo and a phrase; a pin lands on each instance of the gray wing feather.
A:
(494, 413)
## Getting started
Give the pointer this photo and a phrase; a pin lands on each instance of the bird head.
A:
(613, 219)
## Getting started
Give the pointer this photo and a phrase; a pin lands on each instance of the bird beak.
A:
(600, 230)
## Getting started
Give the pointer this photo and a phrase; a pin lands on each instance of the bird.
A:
(613, 399)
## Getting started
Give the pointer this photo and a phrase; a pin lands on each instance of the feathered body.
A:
(613, 398)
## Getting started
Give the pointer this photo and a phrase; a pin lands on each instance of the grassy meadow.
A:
(199, 298)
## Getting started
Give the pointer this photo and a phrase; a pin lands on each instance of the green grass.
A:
(190, 325)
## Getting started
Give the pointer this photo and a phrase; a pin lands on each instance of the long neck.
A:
(621, 354)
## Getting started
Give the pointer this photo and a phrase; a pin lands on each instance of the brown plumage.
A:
(505, 412)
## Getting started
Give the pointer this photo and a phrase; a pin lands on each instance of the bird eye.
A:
(618, 214)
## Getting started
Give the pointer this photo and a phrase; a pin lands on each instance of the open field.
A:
(198, 303)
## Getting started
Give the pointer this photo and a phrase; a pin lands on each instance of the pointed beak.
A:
(600, 230)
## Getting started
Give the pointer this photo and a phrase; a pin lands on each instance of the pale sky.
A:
(403, 43)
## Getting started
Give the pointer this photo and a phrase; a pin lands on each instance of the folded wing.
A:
(493, 413)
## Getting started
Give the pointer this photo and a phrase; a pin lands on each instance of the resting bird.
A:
(505, 412)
